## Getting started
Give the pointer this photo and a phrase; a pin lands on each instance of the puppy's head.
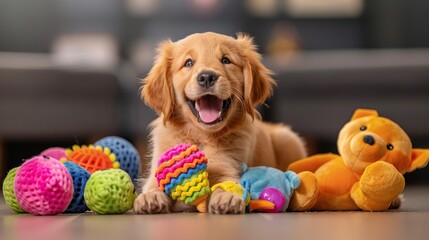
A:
(207, 79)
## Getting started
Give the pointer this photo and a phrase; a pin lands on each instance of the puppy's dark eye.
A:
(189, 63)
(225, 60)
(389, 146)
(363, 128)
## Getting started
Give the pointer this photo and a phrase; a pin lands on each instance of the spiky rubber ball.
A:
(43, 186)
(109, 192)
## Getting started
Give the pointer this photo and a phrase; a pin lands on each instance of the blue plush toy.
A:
(269, 185)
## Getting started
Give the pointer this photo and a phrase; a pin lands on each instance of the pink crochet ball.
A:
(43, 186)
(55, 152)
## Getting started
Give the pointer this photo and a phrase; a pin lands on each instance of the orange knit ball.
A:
(92, 158)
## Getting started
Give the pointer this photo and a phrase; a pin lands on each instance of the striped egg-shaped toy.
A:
(182, 175)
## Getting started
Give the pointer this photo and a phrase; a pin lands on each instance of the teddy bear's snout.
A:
(368, 139)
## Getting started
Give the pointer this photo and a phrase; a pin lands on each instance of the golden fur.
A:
(238, 136)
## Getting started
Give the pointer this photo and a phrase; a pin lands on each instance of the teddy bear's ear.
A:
(419, 159)
(360, 112)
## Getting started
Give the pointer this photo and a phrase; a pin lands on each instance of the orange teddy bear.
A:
(368, 175)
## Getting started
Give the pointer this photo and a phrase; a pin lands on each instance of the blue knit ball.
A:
(80, 176)
(126, 154)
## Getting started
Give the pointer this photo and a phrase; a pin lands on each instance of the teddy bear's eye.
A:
(363, 128)
(389, 146)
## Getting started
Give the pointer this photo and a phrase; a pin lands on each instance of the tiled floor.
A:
(410, 222)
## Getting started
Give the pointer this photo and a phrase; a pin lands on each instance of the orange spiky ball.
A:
(92, 158)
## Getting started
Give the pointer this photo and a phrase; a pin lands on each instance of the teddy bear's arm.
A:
(311, 163)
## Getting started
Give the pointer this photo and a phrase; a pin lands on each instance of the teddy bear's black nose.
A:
(368, 139)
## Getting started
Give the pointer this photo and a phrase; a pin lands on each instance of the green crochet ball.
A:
(109, 192)
(9, 192)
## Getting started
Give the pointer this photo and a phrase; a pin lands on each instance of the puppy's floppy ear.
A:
(157, 90)
(258, 84)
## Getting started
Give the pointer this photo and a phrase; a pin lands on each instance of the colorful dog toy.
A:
(55, 152)
(109, 192)
(80, 176)
(270, 189)
(43, 186)
(126, 154)
(271, 200)
(92, 158)
(9, 192)
(182, 175)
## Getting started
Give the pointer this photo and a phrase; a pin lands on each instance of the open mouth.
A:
(209, 109)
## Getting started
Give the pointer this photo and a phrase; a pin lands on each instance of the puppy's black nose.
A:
(368, 139)
(207, 79)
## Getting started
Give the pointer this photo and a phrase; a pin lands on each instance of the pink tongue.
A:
(210, 108)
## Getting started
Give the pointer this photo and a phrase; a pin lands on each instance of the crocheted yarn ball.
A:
(55, 152)
(43, 186)
(126, 154)
(80, 176)
(109, 192)
(9, 192)
(182, 175)
(92, 158)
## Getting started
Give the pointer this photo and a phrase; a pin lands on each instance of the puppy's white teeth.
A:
(197, 106)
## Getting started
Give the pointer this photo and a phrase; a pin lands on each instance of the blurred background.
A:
(70, 69)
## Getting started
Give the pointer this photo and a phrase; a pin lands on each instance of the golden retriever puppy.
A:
(205, 88)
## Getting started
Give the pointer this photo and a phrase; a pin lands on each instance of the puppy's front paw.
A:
(222, 202)
(154, 201)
